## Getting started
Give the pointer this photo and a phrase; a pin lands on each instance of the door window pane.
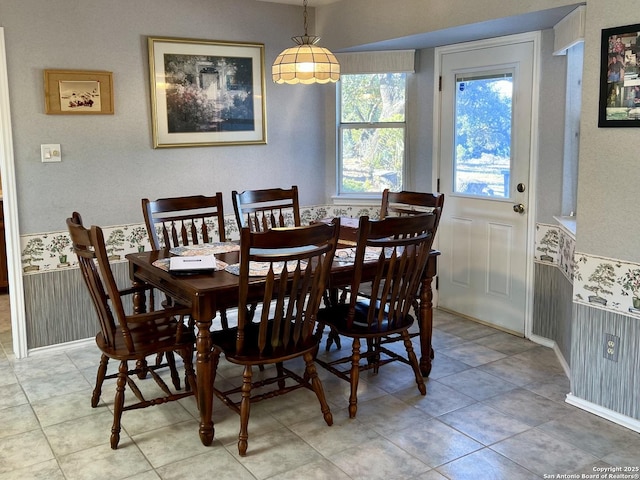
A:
(482, 160)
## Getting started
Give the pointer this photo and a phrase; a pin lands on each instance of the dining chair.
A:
(180, 221)
(260, 210)
(409, 203)
(396, 250)
(130, 337)
(398, 204)
(183, 221)
(295, 263)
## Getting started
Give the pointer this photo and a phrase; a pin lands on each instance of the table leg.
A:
(426, 317)
(140, 306)
(204, 373)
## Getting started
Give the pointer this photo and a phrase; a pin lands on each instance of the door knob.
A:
(518, 208)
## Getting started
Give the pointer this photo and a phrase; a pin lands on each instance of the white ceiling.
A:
(538, 20)
(311, 3)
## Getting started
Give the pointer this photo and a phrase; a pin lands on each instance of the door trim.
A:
(12, 231)
(535, 38)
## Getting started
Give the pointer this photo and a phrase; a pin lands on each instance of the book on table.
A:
(186, 265)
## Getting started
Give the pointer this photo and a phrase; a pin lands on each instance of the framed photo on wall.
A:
(620, 77)
(78, 92)
(206, 93)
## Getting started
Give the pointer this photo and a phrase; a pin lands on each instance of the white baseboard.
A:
(546, 342)
(615, 417)
(61, 347)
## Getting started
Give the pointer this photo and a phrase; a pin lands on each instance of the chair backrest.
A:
(398, 248)
(296, 262)
(260, 210)
(181, 221)
(409, 203)
(89, 246)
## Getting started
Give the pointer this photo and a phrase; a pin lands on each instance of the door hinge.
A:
(437, 282)
(440, 83)
(438, 185)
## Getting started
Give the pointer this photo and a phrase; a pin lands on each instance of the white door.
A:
(485, 150)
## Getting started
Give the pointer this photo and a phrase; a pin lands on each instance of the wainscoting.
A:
(58, 306)
(609, 384)
(552, 308)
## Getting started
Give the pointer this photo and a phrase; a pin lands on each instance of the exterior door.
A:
(485, 151)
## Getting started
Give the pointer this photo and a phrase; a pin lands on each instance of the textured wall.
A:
(108, 163)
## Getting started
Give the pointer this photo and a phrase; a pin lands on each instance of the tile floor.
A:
(494, 409)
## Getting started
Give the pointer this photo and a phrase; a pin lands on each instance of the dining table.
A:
(217, 290)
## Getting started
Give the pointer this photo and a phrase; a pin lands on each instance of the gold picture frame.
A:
(78, 92)
(206, 92)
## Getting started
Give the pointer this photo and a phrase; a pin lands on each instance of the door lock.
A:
(521, 188)
(518, 208)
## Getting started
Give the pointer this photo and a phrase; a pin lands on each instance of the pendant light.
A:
(306, 62)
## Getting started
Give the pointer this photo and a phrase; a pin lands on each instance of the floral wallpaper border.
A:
(46, 252)
(598, 282)
(556, 246)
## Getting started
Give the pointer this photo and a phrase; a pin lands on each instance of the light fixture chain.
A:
(304, 3)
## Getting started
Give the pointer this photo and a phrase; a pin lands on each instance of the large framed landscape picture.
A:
(620, 77)
(206, 93)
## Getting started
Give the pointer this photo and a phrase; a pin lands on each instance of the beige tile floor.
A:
(494, 409)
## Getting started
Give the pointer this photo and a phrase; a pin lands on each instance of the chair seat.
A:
(336, 318)
(148, 341)
(226, 341)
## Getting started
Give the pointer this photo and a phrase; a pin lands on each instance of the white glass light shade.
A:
(305, 63)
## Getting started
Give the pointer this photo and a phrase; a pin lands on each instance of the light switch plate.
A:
(50, 152)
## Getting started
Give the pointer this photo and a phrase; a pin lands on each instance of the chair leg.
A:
(190, 382)
(312, 374)
(354, 378)
(224, 322)
(331, 338)
(118, 403)
(245, 407)
(175, 377)
(414, 362)
(102, 372)
(141, 366)
(280, 373)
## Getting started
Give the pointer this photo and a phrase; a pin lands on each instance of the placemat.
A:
(206, 249)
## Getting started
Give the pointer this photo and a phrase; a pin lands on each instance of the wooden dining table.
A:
(211, 292)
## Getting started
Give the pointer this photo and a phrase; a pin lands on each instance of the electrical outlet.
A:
(611, 347)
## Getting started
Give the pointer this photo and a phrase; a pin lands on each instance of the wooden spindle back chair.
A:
(395, 250)
(296, 264)
(182, 221)
(260, 210)
(130, 337)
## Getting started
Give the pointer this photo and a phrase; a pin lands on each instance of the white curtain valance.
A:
(569, 31)
(390, 61)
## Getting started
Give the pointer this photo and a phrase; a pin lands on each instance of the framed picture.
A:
(78, 92)
(206, 93)
(620, 77)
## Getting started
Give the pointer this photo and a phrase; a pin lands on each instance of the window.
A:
(482, 160)
(371, 133)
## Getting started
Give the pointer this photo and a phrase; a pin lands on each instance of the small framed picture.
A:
(620, 77)
(206, 93)
(78, 92)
